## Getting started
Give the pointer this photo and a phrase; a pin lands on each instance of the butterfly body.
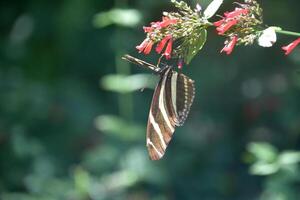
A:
(171, 102)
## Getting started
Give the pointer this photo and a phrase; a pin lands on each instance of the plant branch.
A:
(283, 32)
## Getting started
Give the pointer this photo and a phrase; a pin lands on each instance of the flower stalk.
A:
(290, 33)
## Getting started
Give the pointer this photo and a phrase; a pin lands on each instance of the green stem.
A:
(288, 33)
(125, 102)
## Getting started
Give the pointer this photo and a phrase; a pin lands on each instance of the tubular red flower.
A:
(166, 22)
(162, 43)
(230, 46)
(143, 45)
(148, 48)
(225, 27)
(289, 48)
(219, 23)
(168, 50)
(236, 12)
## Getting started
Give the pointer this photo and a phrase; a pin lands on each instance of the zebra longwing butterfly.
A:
(171, 103)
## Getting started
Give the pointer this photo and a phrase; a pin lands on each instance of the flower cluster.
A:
(240, 25)
(154, 34)
(182, 34)
(186, 27)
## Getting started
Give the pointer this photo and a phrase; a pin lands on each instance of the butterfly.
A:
(171, 102)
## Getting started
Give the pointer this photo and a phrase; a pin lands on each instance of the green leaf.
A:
(289, 157)
(82, 181)
(126, 84)
(212, 8)
(264, 169)
(263, 152)
(196, 42)
(121, 17)
(118, 127)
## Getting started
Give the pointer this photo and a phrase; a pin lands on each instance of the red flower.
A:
(155, 24)
(168, 50)
(148, 47)
(219, 23)
(145, 46)
(166, 22)
(230, 46)
(152, 32)
(289, 48)
(148, 29)
(236, 12)
(230, 19)
(142, 46)
(225, 27)
(162, 43)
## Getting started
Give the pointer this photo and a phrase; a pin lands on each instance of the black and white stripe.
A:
(171, 102)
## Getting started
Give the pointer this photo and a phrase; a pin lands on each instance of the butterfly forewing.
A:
(160, 127)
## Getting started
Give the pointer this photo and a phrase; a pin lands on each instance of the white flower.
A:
(212, 8)
(198, 7)
(268, 37)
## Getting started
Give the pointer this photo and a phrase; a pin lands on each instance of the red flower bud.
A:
(236, 12)
(289, 48)
(148, 48)
(168, 50)
(225, 27)
(142, 46)
(166, 22)
(162, 43)
(230, 46)
(219, 23)
(145, 46)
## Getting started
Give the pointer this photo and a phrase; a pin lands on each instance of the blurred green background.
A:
(73, 118)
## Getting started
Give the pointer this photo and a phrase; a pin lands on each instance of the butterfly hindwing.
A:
(185, 89)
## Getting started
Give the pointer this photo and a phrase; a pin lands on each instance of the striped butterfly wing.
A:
(172, 99)
(160, 128)
(182, 97)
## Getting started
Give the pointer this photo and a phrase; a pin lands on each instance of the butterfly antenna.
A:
(137, 61)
